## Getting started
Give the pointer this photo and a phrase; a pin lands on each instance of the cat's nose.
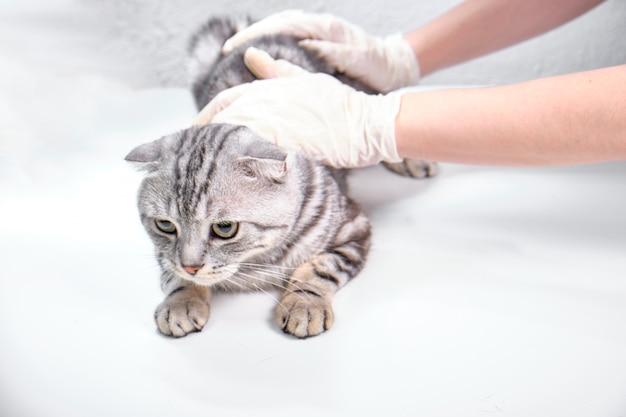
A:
(192, 270)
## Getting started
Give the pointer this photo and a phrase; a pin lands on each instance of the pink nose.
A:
(191, 270)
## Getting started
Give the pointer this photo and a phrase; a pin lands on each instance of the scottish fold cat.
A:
(229, 211)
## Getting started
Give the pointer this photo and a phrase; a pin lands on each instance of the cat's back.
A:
(211, 72)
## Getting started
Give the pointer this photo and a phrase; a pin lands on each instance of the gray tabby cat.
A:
(229, 211)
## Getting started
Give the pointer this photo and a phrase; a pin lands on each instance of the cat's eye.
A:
(166, 226)
(225, 230)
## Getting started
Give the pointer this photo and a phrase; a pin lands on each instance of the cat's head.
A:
(214, 197)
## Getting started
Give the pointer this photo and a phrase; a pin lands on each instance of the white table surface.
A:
(488, 290)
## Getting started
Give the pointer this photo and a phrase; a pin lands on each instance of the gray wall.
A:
(151, 35)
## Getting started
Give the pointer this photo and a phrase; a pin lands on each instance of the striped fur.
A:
(296, 228)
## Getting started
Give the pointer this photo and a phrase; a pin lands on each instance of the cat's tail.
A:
(205, 46)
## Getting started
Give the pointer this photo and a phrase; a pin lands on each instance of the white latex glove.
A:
(314, 113)
(386, 63)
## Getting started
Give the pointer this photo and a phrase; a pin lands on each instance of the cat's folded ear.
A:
(147, 156)
(273, 170)
(264, 160)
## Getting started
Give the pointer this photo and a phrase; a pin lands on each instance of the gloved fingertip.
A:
(259, 62)
(264, 66)
(200, 120)
(219, 103)
(204, 116)
(228, 47)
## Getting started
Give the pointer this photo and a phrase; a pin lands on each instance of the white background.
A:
(488, 290)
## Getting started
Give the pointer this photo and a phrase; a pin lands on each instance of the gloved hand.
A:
(386, 63)
(314, 113)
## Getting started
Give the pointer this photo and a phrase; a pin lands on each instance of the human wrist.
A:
(406, 67)
(416, 122)
(379, 121)
(426, 51)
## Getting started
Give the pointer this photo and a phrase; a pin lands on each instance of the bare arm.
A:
(569, 119)
(478, 27)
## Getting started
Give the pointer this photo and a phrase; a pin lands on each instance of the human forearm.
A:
(570, 119)
(478, 27)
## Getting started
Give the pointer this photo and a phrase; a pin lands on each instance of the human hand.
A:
(315, 113)
(385, 64)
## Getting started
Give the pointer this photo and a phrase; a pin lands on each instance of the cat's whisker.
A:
(286, 279)
(268, 270)
(151, 266)
(299, 292)
(277, 275)
(268, 266)
(234, 282)
(262, 290)
(252, 277)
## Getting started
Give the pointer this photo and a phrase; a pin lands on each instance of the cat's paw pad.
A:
(178, 316)
(304, 315)
(415, 168)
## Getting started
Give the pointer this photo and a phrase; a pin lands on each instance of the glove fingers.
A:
(263, 65)
(302, 25)
(277, 23)
(289, 22)
(219, 103)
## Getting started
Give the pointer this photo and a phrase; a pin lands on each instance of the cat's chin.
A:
(207, 278)
(203, 282)
(206, 281)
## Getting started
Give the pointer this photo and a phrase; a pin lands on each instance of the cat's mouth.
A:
(207, 275)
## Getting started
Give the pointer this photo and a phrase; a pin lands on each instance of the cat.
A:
(229, 211)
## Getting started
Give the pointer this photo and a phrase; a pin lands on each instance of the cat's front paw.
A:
(180, 314)
(304, 314)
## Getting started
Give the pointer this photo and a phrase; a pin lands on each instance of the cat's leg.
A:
(305, 308)
(415, 168)
(185, 308)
